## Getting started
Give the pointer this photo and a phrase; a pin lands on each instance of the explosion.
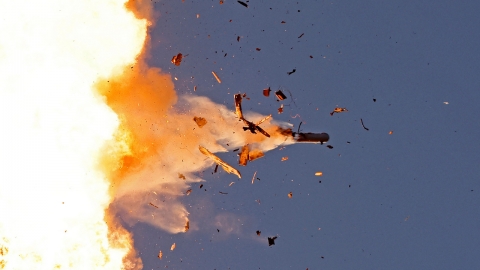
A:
(91, 133)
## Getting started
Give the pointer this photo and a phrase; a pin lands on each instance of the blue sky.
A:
(406, 200)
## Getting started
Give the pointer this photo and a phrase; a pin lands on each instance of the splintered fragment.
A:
(238, 38)
(173, 246)
(338, 110)
(258, 233)
(301, 35)
(266, 92)
(271, 241)
(291, 72)
(200, 121)
(253, 178)
(318, 173)
(177, 59)
(216, 168)
(329, 146)
(160, 255)
(225, 166)
(187, 226)
(216, 77)
(243, 4)
(181, 176)
(280, 95)
(290, 195)
(195, 88)
(238, 106)
(254, 154)
(284, 158)
(231, 183)
(280, 110)
(153, 205)
(188, 192)
(244, 156)
(224, 193)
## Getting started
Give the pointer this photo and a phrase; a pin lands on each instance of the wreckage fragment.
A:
(258, 233)
(216, 77)
(310, 137)
(291, 72)
(244, 156)
(280, 110)
(318, 173)
(266, 92)
(173, 246)
(188, 192)
(290, 195)
(271, 240)
(200, 121)
(250, 126)
(284, 158)
(181, 176)
(338, 110)
(177, 59)
(243, 3)
(238, 106)
(225, 166)
(160, 255)
(187, 226)
(280, 95)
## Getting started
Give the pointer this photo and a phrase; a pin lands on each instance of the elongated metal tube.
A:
(311, 137)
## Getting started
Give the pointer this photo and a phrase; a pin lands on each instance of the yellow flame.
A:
(52, 197)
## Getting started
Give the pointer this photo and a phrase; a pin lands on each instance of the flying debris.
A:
(243, 4)
(244, 156)
(216, 77)
(390, 132)
(250, 125)
(173, 246)
(181, 176)
(284, 158)
(188, 192)
(266, 92)
(301, 35)
(160, 255)
(361, 120)
(280, 95)
(258, 49)
(187, 226)
(153, 205)
(291, 72)
(225, 166)
(177, 59)
(329, 146)
(318, 173)
(200, 121)
(280, 110)
(338, 110)
(253, 178)
(310, 137)
(258, 233)
(271, 240)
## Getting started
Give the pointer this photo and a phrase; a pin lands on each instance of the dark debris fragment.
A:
(291, 72)
(271, 240)
(243, 4)
(280, 95)
(258, 233)
(338, 110)
(329, 146)
(177, 59)
(266, 92)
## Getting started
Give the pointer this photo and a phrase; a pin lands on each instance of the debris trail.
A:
(228, 168)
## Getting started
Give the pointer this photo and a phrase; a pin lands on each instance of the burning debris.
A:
(177, 59)
(216, 77)
(390, 132)
(280, 110)
(160, 255)
(266, 92)
(271, 240)
(200, 121)
(284, 158)
(318, 173)
(280, 95)
(173, 246)
(250, 125)
(290, 195)
(244, 156)
(225, 166)
(338, 110)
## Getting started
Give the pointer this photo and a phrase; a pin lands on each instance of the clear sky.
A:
(406, 200)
